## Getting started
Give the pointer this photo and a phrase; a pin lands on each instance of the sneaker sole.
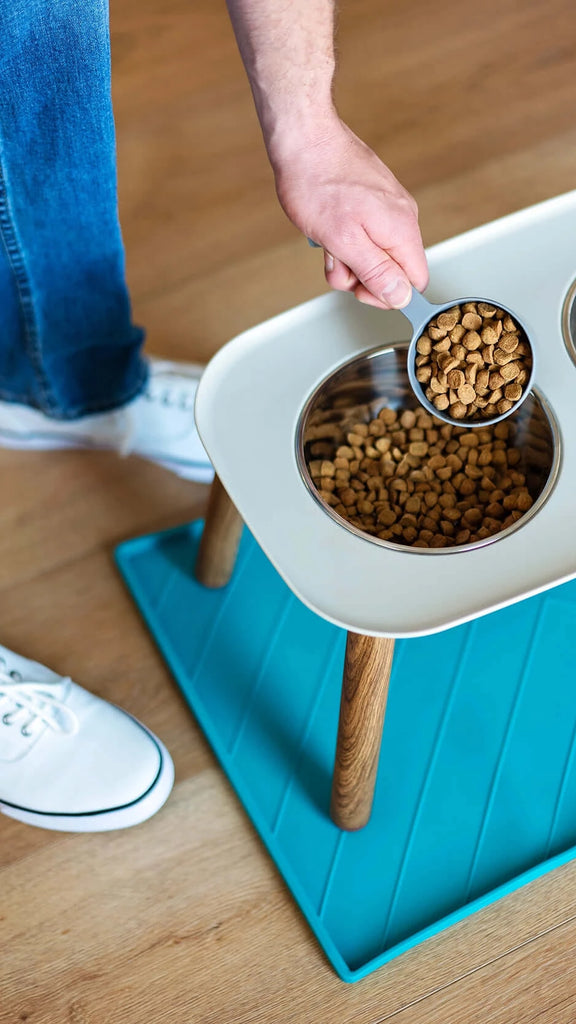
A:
(201, 473)
(106, 821)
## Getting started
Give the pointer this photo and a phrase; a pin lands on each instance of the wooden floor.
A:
(184, 919)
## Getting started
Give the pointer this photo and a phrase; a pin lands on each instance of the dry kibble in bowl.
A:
(411, 479)
(473, 362)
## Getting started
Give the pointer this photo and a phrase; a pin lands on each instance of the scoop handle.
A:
(418, 311)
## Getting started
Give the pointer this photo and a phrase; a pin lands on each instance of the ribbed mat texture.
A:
(476, 791)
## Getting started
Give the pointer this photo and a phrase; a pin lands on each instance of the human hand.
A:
(340, 194)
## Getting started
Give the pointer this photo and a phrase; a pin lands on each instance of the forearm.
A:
(288, 51)
(331, 185)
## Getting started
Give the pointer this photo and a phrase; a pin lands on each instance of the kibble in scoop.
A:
(473, 362)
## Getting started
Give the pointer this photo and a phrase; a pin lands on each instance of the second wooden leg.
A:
(220, 539)
(367, 669)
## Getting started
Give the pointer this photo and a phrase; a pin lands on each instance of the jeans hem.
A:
(86, 409)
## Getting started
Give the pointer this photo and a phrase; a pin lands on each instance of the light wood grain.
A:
(367, 667)
(184, 919)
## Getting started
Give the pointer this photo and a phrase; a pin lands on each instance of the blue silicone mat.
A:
(476, 791)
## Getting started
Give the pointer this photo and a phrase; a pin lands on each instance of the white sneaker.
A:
(158, 425)
(70, 761)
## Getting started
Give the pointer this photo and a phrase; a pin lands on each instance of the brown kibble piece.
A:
(377, 428)
(355, 439)
(441, 402)
(509, 342)
(424, 346)
(448, 319)
(457, 333)
(419, 448)
(458, 410)
(448, 362)
(328, 497)
(437, 388)
(423, 374)
(472, 341)
(471, 321)
(466, 394)
(470, 374)
(501, 357)
(455, 379)
(485, 309)
(510, 372)
(344, 452)
(408, 419)
(524, 501)
(442, 346)
(513, 392)
(489, 335)
(436, 333)
(473, 516)
(467, 487)
(475, 357)
(495, 380)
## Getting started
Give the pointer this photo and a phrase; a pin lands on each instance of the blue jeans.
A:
(67, 342)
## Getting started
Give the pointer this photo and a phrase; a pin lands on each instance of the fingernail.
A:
(398, 295)
(328, 262)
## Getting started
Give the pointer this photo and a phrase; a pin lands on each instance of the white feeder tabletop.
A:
(252, 393)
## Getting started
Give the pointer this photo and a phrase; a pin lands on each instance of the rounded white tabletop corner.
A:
(252, 392)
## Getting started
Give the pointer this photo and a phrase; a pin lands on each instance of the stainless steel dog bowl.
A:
(357, 390)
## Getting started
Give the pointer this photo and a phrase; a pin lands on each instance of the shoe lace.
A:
(33, 701)
(170, 396)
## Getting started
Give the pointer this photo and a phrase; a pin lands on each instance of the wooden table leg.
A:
(363, 704)
(220, 539)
